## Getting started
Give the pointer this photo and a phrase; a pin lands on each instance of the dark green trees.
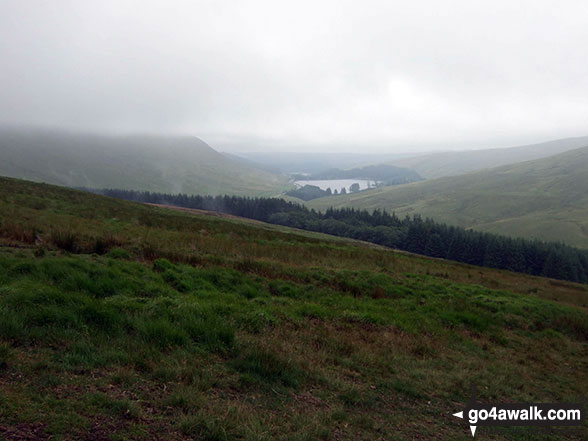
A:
(411, 234)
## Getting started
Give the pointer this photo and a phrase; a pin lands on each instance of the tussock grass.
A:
(191, 327)
(261, 365)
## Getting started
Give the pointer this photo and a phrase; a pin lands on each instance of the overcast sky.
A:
(381, 76)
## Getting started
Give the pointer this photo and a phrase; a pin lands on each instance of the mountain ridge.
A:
(141, 162)
(437, 165)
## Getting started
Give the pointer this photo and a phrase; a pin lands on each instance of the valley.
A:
(293, 221)
(543, 199)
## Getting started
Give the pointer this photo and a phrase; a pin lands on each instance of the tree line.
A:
(414, 234)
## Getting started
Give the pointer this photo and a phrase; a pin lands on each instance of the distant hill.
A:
(311, 163)
(387, 174)
(252, 164)
(545, 199)
(437, 165)
(140, 162)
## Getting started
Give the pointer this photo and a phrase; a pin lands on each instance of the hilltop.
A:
(137, 162)
(125, 321)
(437, 165)
(545, 199)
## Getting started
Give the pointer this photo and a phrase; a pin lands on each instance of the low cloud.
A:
(333, 75)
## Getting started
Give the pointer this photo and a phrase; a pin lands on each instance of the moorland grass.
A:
(194, 327)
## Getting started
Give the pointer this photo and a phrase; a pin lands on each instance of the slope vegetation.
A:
(437, 165)
(125, 321)
(155, 163)
(545, 199)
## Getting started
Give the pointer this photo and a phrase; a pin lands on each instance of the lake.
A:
(337, 184)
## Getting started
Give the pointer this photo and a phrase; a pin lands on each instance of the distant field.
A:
(132, 322)
(545, 199)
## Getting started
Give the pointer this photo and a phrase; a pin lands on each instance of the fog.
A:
(381, 77)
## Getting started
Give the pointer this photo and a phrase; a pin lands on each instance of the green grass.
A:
(200, 327)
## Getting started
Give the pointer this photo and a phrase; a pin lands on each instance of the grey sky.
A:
(384, 76)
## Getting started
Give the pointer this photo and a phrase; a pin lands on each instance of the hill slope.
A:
(124, 321)
(311, 163)
(545, 199)
(437, 165)
(154, 163)
(386, 174)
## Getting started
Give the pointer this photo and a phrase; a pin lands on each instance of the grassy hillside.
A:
(154, 163)
(437, 165)
(125, 321)
(545, 199)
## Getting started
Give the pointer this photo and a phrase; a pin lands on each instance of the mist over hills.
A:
(140, 162)
(387, 174)
(314, 163)
(293, 221)
(429, 165)
(544, 198)
(437, 165)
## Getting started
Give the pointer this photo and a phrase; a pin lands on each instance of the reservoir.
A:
(337, 184)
